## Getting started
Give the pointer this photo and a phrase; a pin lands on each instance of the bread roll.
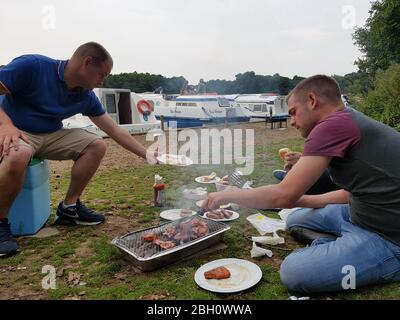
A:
(282, 152)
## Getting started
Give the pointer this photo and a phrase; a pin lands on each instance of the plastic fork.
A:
(236, 179)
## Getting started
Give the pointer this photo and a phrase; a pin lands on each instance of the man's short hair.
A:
(94, 50)
(325, 87)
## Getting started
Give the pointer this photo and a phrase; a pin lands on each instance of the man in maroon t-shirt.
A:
(361, 156)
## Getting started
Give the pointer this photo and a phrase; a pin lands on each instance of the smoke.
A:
(224, 147)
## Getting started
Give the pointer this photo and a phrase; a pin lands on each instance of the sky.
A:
(210, 39)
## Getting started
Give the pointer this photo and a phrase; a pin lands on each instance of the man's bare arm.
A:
(121, 136)
(322, 200)
(283, 195)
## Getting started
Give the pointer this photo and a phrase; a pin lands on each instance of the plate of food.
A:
(221, 215)
(195, 194)
(211, 178)
(228, 275)
(175, 214)
(175, 160)
(222, 183)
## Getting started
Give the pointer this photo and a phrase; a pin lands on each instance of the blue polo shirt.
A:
(39, 98)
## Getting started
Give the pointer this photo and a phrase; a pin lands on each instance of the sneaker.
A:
(8, 245)
(308, 236)
(78, 214)
(279, 174)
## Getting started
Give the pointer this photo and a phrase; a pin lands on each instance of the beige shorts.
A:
(64, 144)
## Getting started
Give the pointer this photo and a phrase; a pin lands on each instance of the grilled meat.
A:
(199, 228)
(170, 232)
(149, 237)
(219, 214)
(217, 273)
(184, 232)
(165, 244)
(179, 234)
(227, 214)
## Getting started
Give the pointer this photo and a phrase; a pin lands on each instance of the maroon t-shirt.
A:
(335, 136)
(365, 155)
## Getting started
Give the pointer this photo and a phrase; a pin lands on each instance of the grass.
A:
(127, 193)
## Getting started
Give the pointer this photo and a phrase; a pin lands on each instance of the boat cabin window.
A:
(223, 102)
(260, 107)
(111, 106)
(186, 104)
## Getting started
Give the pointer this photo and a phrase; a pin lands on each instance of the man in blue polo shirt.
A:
(36, 94)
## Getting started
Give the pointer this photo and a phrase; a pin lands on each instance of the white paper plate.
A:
(244, 275)
(173, 214)
(175, 160)
(195, 194)
(225, 206)
(234, 216)
(200, 180)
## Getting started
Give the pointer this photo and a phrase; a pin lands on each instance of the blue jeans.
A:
(323, 266)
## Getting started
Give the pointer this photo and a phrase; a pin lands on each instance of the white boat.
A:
(195, 110)
(125, 108)
(262, 106)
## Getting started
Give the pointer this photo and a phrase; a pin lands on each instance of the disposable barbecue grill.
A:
(149, 256)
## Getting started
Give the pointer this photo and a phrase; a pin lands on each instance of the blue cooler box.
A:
(31, 209)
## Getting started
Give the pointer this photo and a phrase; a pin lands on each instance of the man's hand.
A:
(217, 199)
(291, 158)
(9, 135)
(214, 201)
(151, 156)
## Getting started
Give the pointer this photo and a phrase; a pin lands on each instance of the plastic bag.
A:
(256, 251)
(274, 240)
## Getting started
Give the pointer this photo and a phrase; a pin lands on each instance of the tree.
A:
(383, 102)
(379, 39)
(247, 82)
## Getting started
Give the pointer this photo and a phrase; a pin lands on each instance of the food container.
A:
(148, 256)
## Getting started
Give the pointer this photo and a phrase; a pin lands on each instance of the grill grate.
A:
(134, 244)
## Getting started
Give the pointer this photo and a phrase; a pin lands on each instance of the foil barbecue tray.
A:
(148, 256)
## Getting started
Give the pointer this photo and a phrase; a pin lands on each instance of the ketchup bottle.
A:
(159, 191)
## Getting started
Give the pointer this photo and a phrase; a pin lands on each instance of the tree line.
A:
(247, 82)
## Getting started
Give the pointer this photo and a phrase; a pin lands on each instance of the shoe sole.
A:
(85, 223)
(9, 254)
(63, 221)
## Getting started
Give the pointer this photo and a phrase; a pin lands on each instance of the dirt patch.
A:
(21, 294)
(83, 251)
(117, 225)
(159, 296)
(11, 275)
